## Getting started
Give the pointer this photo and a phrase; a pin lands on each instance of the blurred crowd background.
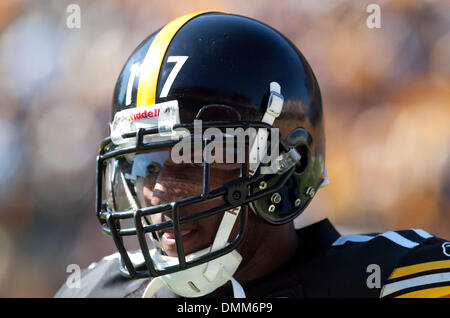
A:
(386, 94)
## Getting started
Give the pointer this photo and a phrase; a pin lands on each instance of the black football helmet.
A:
(224, 71)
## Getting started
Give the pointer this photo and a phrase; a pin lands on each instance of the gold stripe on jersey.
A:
(151, 66)
(435, 292)
(417, 268)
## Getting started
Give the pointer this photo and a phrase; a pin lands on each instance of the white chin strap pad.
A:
(192, 282)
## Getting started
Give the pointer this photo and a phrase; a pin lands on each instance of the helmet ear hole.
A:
(304, 152)
(301, 140)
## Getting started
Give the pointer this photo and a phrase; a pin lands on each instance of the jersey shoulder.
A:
(101, 280)
(405, 263)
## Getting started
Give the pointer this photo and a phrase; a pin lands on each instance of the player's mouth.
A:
(168, 237)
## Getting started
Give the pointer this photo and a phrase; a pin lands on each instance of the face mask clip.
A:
(168, 117)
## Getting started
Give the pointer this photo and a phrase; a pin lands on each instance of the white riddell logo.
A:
(144, 114)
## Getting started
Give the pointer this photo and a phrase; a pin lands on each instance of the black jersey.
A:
(408, 263)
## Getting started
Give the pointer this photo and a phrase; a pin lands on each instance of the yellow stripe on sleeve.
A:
(417, 268)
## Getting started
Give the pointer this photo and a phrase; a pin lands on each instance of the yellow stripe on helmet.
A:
(146, 94)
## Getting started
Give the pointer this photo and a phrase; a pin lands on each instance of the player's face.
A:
(178, 181)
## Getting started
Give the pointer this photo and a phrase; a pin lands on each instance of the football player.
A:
(217, 143)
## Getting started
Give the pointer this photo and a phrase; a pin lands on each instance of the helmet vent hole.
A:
(304, 161)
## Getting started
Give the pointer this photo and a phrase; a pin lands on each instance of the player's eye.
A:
(153, 168)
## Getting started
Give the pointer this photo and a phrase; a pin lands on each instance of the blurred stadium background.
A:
(386, 96)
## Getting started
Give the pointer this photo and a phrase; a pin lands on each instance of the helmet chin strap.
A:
(205, 278)
(192, 282)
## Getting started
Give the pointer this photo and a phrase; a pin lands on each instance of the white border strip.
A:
(413, 282)
(400, 240)
(422, 233)
(352, 238)
(390, 235)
